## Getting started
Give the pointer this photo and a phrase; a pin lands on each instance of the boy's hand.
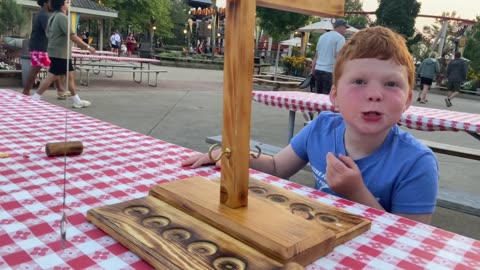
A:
(198, 160)
(343, 175)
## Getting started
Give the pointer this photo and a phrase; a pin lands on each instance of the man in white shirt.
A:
(328, 46)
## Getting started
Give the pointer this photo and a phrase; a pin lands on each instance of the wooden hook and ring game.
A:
(238, 222)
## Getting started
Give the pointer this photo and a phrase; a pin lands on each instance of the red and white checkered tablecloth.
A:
(119, 165)
(114, 58)
(79, 51)
(420, 118)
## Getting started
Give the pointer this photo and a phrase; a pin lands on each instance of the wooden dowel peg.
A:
(56, 149)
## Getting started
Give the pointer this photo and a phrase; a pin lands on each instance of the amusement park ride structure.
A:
(439, 41)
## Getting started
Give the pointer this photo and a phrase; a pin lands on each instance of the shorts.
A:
(426, 81)
(455, 86)
(59, 66)
(39, 59)
(114, 46)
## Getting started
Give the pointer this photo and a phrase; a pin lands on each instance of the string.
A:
(63, 223)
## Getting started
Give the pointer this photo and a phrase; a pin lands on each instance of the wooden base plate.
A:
(182, 225)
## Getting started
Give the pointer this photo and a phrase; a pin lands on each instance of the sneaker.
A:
(82, 104)
(448, 102)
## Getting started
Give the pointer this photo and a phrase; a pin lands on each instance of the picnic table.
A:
(94, 63)
(420, 118)
(119, 165)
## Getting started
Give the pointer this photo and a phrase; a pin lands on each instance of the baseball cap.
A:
(340, 22)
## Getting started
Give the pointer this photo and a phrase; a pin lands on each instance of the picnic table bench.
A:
(95, 69)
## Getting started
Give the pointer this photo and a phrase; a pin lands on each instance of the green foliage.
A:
(471, 51)
(279, 24)
(357, 21)
(398, 15)
(140, 13)
(12, 18)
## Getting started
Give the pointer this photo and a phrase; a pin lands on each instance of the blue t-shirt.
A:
(402, 174)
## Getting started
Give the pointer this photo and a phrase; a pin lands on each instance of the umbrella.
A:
(296, 42)
(322, 26)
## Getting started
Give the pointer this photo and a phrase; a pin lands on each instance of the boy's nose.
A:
(374, 93)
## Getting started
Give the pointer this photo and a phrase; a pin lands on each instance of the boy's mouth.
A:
(372, 113)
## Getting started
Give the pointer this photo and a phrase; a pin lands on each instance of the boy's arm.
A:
(283, 165)
(423, 218)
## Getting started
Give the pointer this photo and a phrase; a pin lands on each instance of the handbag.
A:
(306, 82)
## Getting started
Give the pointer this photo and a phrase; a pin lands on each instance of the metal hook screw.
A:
(259, 152)
(227, 153)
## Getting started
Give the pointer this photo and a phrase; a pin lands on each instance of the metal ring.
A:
(227, 153)
(259, 153)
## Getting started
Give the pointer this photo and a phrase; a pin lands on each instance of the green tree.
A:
(398, 15)
(279, 24)
(357, 21)
(141, 13)
(12, 18)
(471, 51)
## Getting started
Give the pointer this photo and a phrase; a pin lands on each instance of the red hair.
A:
(376, 42)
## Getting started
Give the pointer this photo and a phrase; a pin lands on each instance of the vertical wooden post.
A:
(237, 88)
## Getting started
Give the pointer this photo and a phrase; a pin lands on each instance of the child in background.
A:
(361, 154)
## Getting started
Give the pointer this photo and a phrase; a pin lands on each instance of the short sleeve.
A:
(416, 193)
(340, 44)
(299, 142)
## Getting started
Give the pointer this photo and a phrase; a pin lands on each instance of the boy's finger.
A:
(348, 161)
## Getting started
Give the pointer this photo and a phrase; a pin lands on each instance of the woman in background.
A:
(130, 44)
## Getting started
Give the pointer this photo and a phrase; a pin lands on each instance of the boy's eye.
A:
(391, 84)
(359, 81)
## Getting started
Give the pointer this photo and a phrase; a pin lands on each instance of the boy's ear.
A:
(333, 97)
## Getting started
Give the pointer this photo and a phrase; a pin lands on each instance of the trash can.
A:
(25, 62)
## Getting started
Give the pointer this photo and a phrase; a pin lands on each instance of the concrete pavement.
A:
(186, 107)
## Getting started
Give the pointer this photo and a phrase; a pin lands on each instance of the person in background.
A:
(57, 33)
(456, 75)
(131, 44)
(328, 46)
(427, 71)
(38, 50)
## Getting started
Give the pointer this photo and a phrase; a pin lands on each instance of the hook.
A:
(259, 153)
(227, 153)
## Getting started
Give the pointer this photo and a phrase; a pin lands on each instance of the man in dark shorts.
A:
(456, 75)
(38, 50)
(60, 54)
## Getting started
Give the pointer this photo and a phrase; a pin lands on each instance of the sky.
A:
(466, 9)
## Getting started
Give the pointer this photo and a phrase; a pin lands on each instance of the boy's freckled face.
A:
(372, 94)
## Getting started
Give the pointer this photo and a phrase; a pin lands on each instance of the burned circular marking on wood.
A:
(136, 210)
(229, 263)
(302, 210)
(156, 222)
(177, 234)
(258, 190)
(326, 218)
(203, 248)
(277, 198)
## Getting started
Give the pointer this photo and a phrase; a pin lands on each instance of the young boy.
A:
(361, 154)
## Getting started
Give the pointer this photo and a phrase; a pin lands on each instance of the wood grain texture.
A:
(278, 234)
(323, 8)
(343, 224)
(56, 149)
(167, 238)
(237, 87)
